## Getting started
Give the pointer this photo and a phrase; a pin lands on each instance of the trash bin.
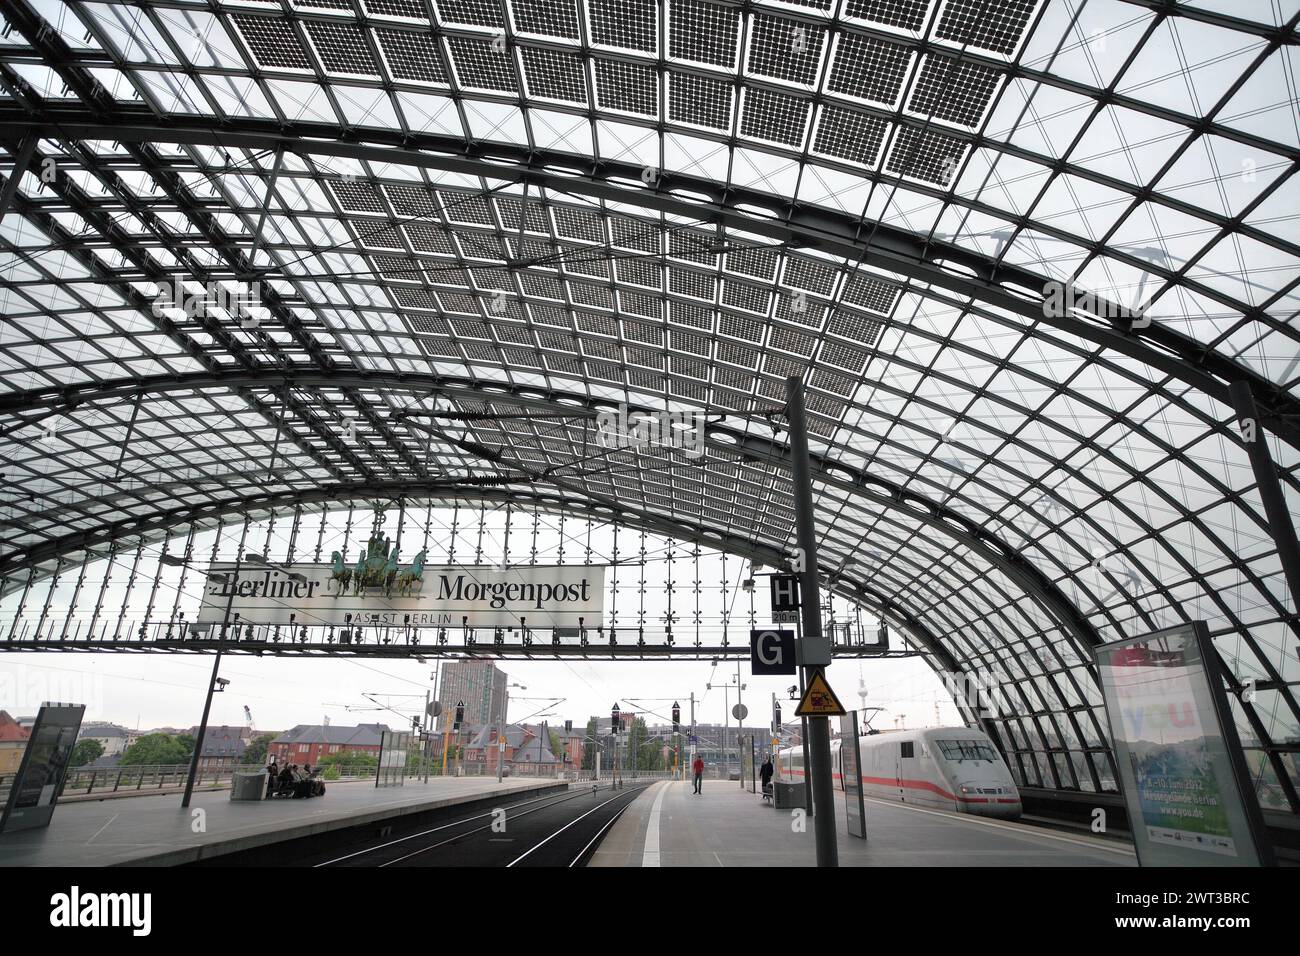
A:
(248, 786)
(788, 796)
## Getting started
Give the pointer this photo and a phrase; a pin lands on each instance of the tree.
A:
(86, 751)
(156, 750)
(187, 741)
(357, 762)
(257, 748)
(557, 745)
(589, 747)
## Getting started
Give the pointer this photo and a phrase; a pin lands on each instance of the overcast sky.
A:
(155, 690)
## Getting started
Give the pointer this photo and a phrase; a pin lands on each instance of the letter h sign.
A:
(785, 598)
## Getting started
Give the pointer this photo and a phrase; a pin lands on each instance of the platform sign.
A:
(851, 775)
(819, 700)
(771, 651)
(785, 595)
(1186, 788)
(35, 790)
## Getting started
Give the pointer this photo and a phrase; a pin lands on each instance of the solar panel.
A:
(557, 18)
(905, 14)
(410, 9)
(627, 24)
(868, 68)
(555, 74)
(630, 87)
(926, 154)
(742, 295)
(694, 284)
(988, 24)
(699, 100)
(342, 48)
(703, 32)
(774, 117)
(848, 134)
(809, 275)
(356, 196)
(272, 41)
(854, 325)
(949, 89)
(412, 56)
(479, 65)
(788, 340)
(642, 272)
(692, 316)
(871, 293)
(785, 49)
(483, 13)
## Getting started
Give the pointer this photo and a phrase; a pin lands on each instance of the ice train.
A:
(948, 768)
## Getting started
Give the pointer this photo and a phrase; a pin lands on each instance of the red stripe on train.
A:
(918, 785)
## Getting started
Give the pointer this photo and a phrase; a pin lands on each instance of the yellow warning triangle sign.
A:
(819, 700)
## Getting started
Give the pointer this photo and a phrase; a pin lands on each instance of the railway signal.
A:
(677, 717)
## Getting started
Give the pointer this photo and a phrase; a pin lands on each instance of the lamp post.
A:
(726, 718)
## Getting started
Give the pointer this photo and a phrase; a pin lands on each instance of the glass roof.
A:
(1017, 249)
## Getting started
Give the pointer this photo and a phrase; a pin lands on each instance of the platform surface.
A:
(726, 826)
(156, 831)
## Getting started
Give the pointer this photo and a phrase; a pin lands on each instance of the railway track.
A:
(554, 830)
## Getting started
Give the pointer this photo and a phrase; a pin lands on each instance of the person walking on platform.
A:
(765, 772)
(698, 769)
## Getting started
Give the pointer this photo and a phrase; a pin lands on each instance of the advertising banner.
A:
(1188, 797)
(533, 596)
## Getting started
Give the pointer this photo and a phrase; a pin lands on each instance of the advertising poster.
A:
(1188, 800)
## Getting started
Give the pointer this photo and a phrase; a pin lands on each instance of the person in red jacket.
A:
(698, 769)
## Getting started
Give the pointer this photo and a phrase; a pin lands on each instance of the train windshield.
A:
(965, 750)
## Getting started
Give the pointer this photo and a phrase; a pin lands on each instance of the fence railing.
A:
(150, 778)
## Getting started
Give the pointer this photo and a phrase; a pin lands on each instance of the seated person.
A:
(285, 781)
(301, 784)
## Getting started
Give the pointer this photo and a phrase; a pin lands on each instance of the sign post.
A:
(816, 650)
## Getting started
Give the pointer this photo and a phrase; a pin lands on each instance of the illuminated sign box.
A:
(1186, 789)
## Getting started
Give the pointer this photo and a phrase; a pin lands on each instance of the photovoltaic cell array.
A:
(994, 25)
(704, 32)
(273, 42)
(627, 24)
(951, 90)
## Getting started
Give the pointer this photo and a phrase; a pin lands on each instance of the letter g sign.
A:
(771, 651)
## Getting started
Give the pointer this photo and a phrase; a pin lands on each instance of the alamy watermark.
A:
(1060, 300)
(227, 296)
(982, 692)
(621, 428)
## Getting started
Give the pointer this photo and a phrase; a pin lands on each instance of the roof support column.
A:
(1254, 437)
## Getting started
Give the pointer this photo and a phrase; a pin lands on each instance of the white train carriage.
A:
(949, 768)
